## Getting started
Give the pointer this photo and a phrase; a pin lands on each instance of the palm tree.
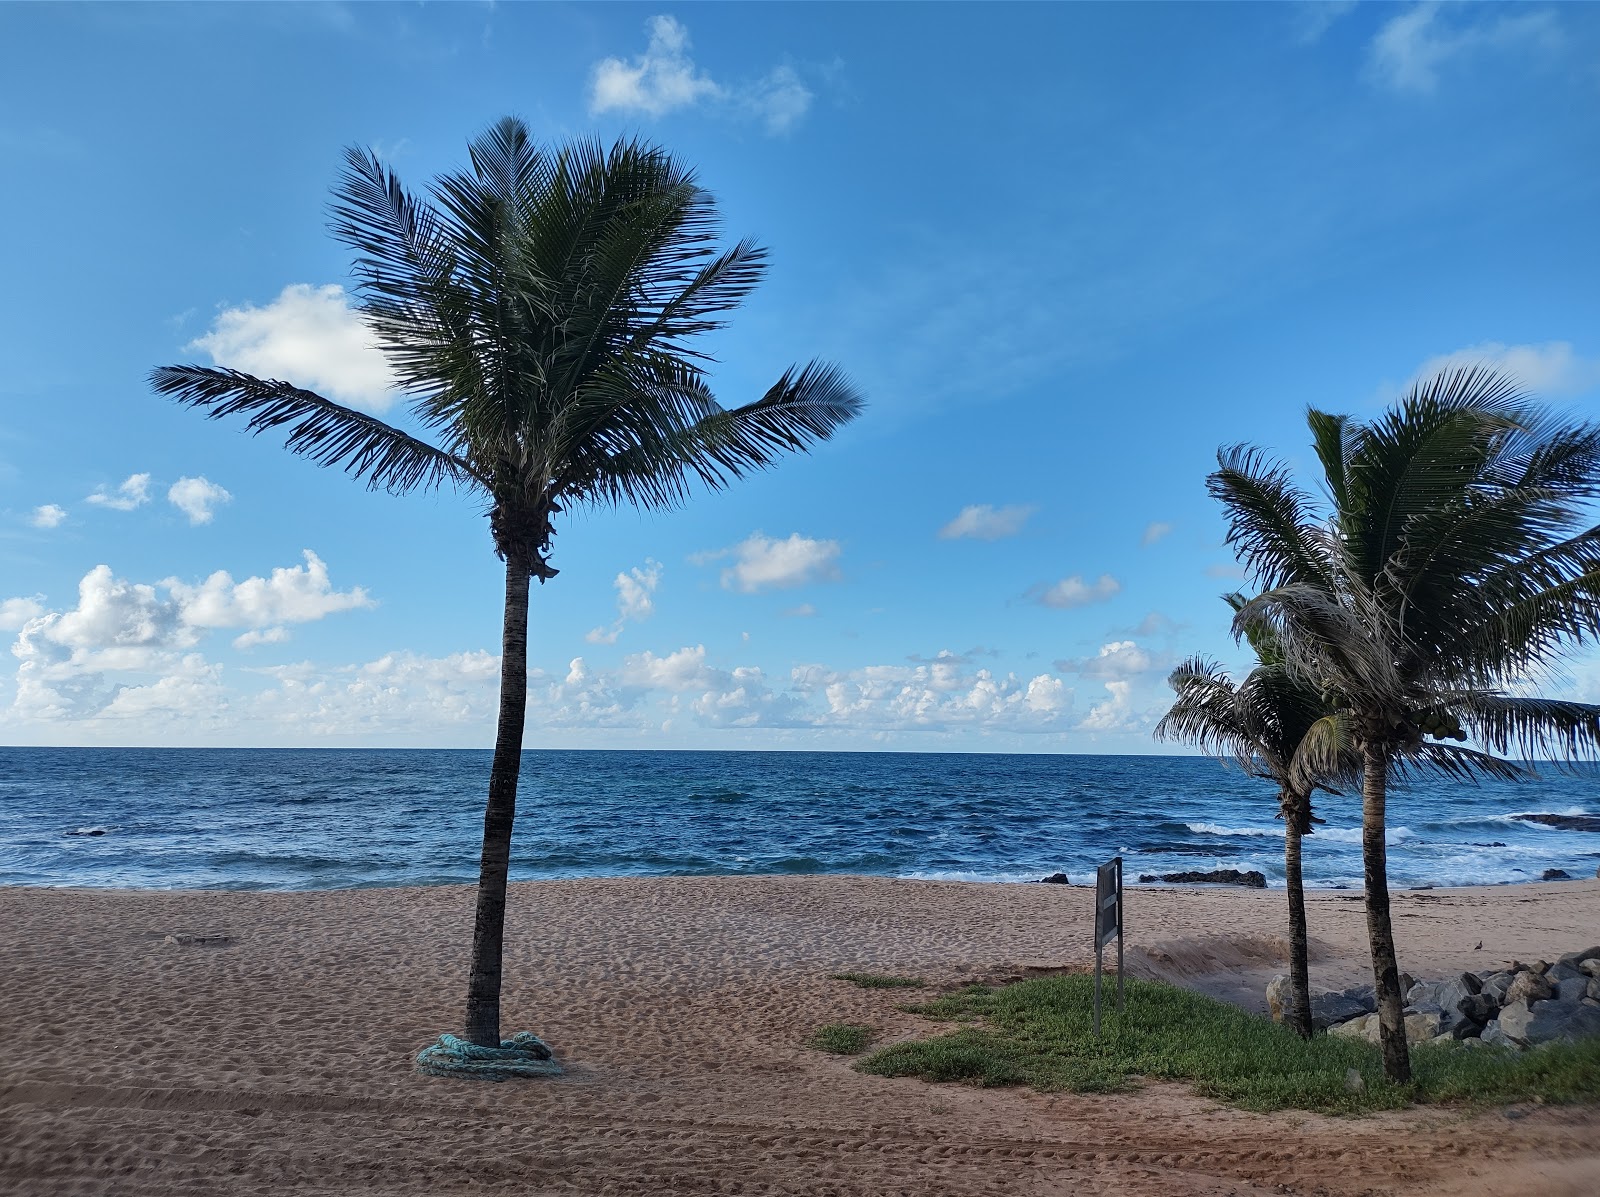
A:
(1452, 567)
(540, 311)
(1274, 725)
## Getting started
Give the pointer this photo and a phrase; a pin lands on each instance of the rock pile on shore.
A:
(1519, 1006)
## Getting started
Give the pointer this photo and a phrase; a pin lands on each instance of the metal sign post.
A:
(1107, 925)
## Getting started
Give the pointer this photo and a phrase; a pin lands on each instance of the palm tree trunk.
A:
(488, 935)
(1295, 817)
(1380, 932)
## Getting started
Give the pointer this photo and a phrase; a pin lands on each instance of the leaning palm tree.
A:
(1452, 568)
(540, 310)
(1275, 725)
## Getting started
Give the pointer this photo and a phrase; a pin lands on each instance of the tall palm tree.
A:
(1275, 725)
(1452, 566)
(540, 310)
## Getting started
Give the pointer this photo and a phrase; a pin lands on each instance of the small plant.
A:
(842, 1038)
(878, 980)
(1039, 1033)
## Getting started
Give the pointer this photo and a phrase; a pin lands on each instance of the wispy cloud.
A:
(666, 79)
(48, 515)
(1552, 369)
(983, 522)
(309, 336)
(134, 492)
(765, 563)
(636, 590)
(1075, 592)
(1411, 49)
(1154, 532)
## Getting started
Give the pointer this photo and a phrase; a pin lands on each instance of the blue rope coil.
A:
(523, 1055)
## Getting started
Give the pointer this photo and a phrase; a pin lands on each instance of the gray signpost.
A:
(1107, 925)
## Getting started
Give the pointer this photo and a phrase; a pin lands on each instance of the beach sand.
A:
(680, 1006)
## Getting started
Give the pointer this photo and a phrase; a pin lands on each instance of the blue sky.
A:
(1066, 251)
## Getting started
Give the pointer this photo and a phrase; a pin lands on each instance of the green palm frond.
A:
(320, 429)
(1270, 525)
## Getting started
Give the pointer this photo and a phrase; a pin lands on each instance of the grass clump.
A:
(878, 980)
(842, 1038)
(1039, 1033)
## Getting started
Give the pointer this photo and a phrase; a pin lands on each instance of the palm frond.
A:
(1270, 521)
(320, 429)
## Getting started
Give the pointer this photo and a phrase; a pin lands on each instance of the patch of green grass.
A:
(878, 980)
(842, 1038)
(1039, 1033)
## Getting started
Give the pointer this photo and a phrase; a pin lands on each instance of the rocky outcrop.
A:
(1520, 1006)
(1252, 878)
(1564, 822)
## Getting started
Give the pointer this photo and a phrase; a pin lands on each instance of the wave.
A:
(1336, 835)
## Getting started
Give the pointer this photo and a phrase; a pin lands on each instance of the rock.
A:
(1330, 1009)
(1496, 984)
(1055, 879)
(1561, 972)
(1564, 822)
(1280, 995)
(1578, 959)
(1253, 878)
(1590, 968)
(1549, 1022)
(1556, 875)
(1356, 1028)
(1421, 1025)
(1447, 996)
(1493, 1036)
(1465, 1028)
(1353, 1082)
(1539, 966)
(1479, 1008)
(1594, 988)
(1424, 1024)
(1527, 988)
(1406, 982)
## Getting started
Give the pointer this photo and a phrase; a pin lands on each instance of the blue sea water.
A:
(322, 819)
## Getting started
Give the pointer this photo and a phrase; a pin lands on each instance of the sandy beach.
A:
(281, 1062)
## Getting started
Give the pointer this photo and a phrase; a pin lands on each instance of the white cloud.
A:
(1154, 532)
(983, 522)
(14, 612)
(665, 79)
(134, 492)
(257, 636)
(1412, 48)
(1552, 369)
(803, 611)
(1075, 592)
(293, 594)
(196, 497)
(1118, 659)
(1316, 17)
(1116, 713)
(308, 336)
(1225, 569)
(635, 600)
(764, 563)
(47, 515)
(938, 695)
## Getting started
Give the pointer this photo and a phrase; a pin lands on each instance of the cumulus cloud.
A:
(400, 694)
(258, 636)
(309, 336)
(134, 492)
(1413, 47)
(665, 79)
(635, 600)
(982, 522)
(197, 497)
(1553, 369)
(764, 563)
(47, 515)
(1154, 532)
(14, 612)
(1118, 659)
(1116, 713)
(292, 594)
(943, 694)
(1075, 592)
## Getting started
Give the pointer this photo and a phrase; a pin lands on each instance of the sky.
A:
(1065, 251)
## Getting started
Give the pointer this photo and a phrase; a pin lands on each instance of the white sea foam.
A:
(1337, 835)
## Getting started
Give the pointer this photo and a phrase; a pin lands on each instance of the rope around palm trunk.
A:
(523, 1055)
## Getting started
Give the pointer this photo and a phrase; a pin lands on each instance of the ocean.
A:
(339, 818)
